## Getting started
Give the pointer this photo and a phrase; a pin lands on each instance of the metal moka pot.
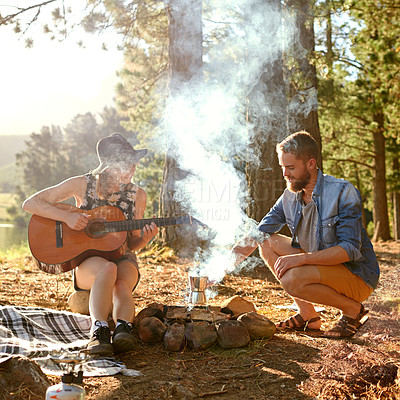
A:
(198, 285)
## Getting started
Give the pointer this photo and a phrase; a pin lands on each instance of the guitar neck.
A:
(137, 224)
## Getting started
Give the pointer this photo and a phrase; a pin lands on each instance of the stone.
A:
(158, 306)
(200, 314)
(153, 310)
(21, 371)
(78, 302)
(151, 330)
(177, 391)
(237, 305)
(232, 334)
(213, 308)
(174, 338)
(258, 326)
(180, 314)
(177, 313)
(200, 335)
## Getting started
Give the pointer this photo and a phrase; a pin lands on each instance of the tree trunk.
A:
(268, 127)
(329, 56)
(265, 182)
(358, 185)
(396, 204)
(185, 69)
(304, 87)
(380, 209)
(265, 179)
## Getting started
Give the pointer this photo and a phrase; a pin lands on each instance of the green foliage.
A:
(81, 135)
(16, 254)
(357, 60)
(42, 162)
(358, 65)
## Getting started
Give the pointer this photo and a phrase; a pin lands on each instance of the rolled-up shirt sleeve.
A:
(349, 225)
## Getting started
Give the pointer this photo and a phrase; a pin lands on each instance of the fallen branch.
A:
(213, 393)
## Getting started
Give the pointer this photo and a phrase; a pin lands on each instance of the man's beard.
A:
(299, 184)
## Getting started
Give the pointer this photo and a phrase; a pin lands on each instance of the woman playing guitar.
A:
(110, 282)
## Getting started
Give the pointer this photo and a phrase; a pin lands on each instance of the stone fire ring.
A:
(232, 325)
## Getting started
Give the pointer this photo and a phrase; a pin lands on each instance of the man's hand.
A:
(242, 249)
(284, 263)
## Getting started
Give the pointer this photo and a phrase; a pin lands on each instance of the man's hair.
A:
(301, 144)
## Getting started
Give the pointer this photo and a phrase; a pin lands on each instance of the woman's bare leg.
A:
(99, 276)
(123, 303)
(124, 307)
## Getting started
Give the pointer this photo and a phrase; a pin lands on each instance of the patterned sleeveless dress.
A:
(124, 199)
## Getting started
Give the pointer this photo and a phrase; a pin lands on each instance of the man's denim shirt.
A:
(339, 223)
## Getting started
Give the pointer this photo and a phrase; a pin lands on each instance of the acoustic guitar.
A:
(57, 248)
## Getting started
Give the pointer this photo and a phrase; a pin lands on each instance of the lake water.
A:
(11, 235)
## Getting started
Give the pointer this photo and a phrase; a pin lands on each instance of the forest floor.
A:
(292, 365)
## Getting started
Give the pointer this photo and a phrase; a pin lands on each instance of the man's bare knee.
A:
(288, 281)
(296, 280)
(293, 282)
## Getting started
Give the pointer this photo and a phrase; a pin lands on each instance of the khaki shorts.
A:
(341, 279)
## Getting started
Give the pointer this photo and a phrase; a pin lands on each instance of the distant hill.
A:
(9, 178)
(9, 146)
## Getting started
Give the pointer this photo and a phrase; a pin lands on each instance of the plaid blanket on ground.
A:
(37, 333)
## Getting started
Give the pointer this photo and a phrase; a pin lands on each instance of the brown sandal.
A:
(347, 327)
(297, 323)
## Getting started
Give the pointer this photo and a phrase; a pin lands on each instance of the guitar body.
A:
(58, 248)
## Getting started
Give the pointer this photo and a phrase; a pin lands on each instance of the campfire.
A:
(198, 324)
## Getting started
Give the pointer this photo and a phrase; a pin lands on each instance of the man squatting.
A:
(329, 259)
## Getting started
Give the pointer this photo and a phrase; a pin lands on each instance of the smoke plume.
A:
(205, 124)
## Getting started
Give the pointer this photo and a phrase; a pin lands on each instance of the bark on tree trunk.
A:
(264, 176)
(363, 216)
(265, 180)
(329, 56)
(185, 69)
(396, 204)
(304, 87)
(380, 209)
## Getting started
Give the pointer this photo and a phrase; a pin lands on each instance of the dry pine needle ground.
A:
(291, 365)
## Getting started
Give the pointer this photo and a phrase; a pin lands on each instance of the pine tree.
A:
(360, 120)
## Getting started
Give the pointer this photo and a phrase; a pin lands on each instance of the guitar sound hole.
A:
(95, 229)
